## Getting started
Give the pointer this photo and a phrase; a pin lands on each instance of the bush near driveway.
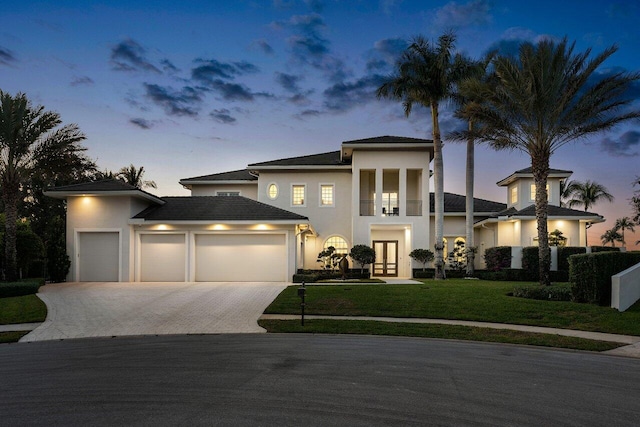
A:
(590, 274)
(23, 287)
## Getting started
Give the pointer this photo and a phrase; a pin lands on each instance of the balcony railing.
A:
(414, 207)
(367, 208)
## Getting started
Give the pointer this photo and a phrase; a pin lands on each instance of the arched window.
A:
(272, 191)
(338, 243)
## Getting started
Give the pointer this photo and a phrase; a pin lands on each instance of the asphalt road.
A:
(307, 380)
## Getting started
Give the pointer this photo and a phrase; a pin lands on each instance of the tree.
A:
(27, 135)
(623, 224)
(133, 176)
(566, 190)
(363, 255)
(423, 256)
(611, 236)
(543, 99)
(587, 194)
(426, 74)
(556, 238)
(635, 204)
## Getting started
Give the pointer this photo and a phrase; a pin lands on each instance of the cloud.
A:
(184, 102)
(387, 5)
(141, 123)
(82, 81)
(473, 13)
(344, 96)
(209, 70)
(385, 53)
(627, 145)
(168, 66)
(7, 57)
(222, 116)
(307, 114)
(128, 55)
(235, 91)
(315, 5)
(289, 82)
(262, 45)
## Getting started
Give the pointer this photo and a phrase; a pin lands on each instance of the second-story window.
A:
(326, 195)
(533, 192)
(514, 195)
(297, 195)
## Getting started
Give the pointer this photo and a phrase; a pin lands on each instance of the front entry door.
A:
(386, 263)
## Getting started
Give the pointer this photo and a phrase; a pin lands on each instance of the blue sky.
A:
(187, 88)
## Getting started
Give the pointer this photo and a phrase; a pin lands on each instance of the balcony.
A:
(367, 208)
(414, 207)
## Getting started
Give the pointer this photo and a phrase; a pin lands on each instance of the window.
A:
(338, 243)
(533, 192)
(272, 191)
(227, 193)
(297, 195)
(326, 194)
(514, 195)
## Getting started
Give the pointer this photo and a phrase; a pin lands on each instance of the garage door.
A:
(98, 257)
(162, 257)
(241, 258)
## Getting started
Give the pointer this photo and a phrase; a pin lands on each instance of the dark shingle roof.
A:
(238, 175)
(331, 158)
(216, 208)
(529, 170)
(455, 203)
(551, 211)
(389, 140)
(104, 187)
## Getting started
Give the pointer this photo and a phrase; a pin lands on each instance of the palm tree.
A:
(567, 188)
(611, 236)
(27, 135)
(623, 224)
(133, 176)
(587, 194)
(426, 75)
(542, 100)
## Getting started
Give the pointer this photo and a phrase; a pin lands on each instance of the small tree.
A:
(556, 238)
(611, 236)
(329, 258)
(458, 256)
(423, 256)
(363, 255)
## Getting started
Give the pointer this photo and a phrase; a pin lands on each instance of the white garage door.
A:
(162, 257)
(98, 257)
(241, 258)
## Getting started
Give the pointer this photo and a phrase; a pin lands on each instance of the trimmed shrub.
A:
(595, 249)
(17, 289)
(307, 278)
(531, 262)
(564, 252)
(590, 274)
(498, 258)
(548, 293)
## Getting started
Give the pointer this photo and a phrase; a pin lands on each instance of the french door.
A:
(386, 263)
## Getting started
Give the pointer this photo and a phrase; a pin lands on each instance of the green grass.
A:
(24, 309)
(457, 299)
(434, 331)
(14, 336)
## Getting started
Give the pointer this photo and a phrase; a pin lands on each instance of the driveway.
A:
(81, 310)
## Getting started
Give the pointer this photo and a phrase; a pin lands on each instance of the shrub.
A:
(17, 289)
(595, 249)
(423, 256)
(498, 258)
(590, 274)
(564, 252)
(307, 278)
(363, 255)
(550, 293)
(531, 262)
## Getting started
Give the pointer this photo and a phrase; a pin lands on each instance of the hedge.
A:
(590, 274)
(17, 289)
(547, 293)
(498, 258)
(310, 276)
(595, 249)
(564, 252)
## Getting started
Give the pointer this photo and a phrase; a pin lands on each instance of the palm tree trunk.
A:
(438, 178)
(470, 250)
(10, 191)
(540, 169)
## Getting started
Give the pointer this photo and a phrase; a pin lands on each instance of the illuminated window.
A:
(514, 195)
(533, 192)
(339, 244)
(326, 195)
(297, 195)
(272, 191)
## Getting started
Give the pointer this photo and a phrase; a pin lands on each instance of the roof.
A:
(216, 208)
(332, 158)
(387, 139)
(106, 187)
(237, 175)
(455, 203)
(527, 173)
(552, 210)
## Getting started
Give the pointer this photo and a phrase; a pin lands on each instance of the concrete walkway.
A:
(81, 310)
(631, 349)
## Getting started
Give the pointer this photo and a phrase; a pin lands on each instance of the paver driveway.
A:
(80, 310)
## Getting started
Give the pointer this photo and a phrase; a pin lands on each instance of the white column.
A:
(403, 191)
(378, 208)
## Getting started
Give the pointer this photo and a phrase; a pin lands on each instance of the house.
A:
(264, 222)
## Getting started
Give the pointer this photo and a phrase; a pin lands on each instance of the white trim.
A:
(333, 194)
(76, 246)
(304, 197)
(227, 193)
(277, 190)
(138, 251)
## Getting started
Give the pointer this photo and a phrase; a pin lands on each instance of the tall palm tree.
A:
(543, 101)
(623, 224)
(133, 176)
(611, 236)
(567, 188)
(587, 194)
(426, 75)
(27, 135)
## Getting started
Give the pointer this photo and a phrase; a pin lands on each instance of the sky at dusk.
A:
(188, 88)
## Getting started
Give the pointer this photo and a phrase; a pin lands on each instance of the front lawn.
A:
(23, 309)
(458, 299)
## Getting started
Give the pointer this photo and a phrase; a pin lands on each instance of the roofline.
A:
(593, 219)
(134, 193)
(389, 145)
(464, 213)
(303, 167)
(142, 221)
(508, 180)
(228, 181)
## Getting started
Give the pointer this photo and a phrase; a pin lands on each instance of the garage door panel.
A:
(162, 257)
(98, 256)
(241, 257)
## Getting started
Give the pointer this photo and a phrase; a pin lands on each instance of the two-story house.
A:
(264, 222)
